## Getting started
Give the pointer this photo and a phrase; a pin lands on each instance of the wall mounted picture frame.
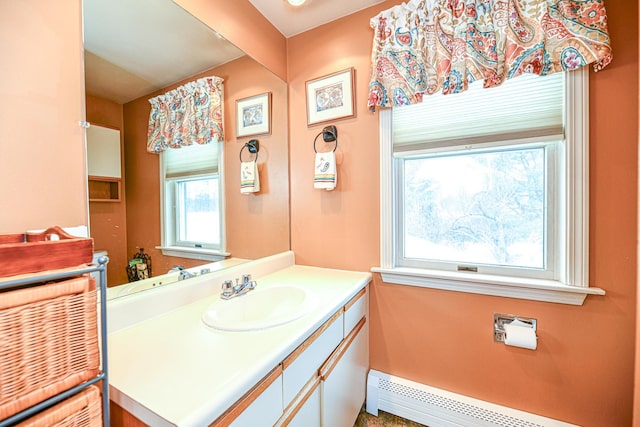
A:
(331, 97)
(253, 115)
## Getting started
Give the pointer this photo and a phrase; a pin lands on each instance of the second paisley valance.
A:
(190, 114)
(424, 46)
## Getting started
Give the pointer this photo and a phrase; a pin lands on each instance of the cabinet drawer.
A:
(310, 355)
(355, 310)
(82, 409)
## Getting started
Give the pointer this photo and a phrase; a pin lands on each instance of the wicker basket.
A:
(48, 341)
(81, 410)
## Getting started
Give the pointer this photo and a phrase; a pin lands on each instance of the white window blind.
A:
(528, 106)
(191, 160)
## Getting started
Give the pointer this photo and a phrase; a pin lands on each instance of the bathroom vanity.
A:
(294, 351)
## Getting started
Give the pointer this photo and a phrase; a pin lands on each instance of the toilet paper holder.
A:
(499, 320)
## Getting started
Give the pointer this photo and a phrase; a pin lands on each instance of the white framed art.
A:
(330, 97)
(253, 115)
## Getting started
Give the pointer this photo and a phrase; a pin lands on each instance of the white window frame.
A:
(573, 287)
(168, 230)
(553, 254)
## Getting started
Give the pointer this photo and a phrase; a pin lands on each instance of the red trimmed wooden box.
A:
(49, 250)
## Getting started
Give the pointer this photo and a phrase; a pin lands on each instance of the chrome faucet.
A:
(184, 274)
(229, 290)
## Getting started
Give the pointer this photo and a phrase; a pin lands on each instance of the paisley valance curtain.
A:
(424, 46)
(189, 114)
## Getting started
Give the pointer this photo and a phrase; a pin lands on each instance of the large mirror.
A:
(135, 51)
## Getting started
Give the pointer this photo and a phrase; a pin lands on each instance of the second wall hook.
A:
(329, 134)
(253, 146)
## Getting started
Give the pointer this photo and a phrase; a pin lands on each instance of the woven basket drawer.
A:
(48, 341)
(81, 410)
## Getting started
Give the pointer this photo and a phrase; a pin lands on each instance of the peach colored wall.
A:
(636, 382)
(42, 167)
(242, 24)
(582, 371)
(258, 224)
(338, 228)
(108, 220)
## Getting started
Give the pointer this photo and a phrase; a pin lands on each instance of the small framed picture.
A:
(253, 115)
(330, 97)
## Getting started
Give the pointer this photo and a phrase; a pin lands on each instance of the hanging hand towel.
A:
(249, 178)
(325, 174)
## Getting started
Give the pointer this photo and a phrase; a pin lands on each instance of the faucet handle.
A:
(227, 289)
(246, 280)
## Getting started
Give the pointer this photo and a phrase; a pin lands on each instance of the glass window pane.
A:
(480, 208)
(198, 212)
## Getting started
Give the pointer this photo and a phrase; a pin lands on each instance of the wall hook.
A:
(329, 134)
(253, 146)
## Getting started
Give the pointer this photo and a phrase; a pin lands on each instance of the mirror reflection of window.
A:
(193, 208)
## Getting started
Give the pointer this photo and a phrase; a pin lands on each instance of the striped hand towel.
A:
(325, 172)
(249, 178)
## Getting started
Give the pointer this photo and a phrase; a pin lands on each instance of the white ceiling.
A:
(292, 20)
(133, 48)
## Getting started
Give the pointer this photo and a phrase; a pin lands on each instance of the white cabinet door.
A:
(308, 415)
(344, 380)
(264, 410)
(103, 152)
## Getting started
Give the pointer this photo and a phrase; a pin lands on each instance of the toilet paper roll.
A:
(520, 334)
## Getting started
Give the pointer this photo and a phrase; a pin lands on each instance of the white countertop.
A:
(171, 369)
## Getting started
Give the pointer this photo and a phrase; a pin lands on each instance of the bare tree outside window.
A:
(480, 208)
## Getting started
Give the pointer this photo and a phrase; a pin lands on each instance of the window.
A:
(193, 202)
(487, 191)
(479, 211)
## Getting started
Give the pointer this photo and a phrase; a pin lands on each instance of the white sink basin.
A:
(261, 308)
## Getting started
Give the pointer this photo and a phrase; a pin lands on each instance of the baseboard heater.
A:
(439, 408)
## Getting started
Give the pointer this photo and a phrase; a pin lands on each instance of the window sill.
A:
(530, 289)
(193, 253)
